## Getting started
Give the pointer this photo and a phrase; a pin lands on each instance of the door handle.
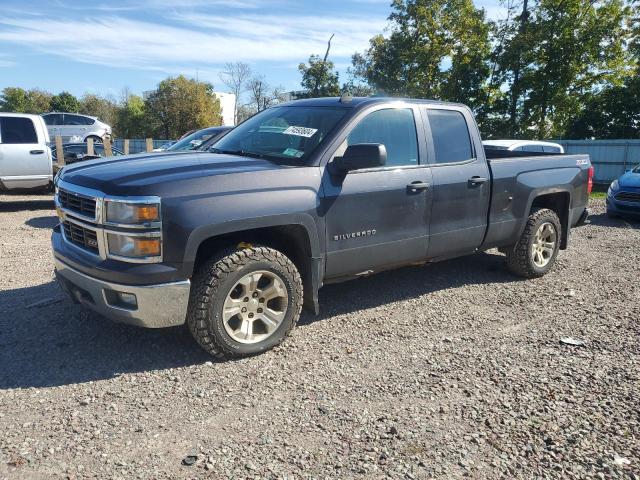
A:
(36, 152)
(417, 186)
(475, 181)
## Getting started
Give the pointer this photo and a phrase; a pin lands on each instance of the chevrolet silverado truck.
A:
(234, 241)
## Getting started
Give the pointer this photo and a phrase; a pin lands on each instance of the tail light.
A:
(592, 171)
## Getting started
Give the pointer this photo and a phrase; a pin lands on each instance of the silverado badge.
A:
(347, 236)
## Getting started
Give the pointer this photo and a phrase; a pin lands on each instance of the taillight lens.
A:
(590, 183)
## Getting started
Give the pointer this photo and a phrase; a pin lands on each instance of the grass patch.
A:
(600, 195)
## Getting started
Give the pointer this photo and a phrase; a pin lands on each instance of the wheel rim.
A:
(544, 244)
(255, 307)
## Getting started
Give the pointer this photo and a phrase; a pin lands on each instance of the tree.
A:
(260, 95)
(235, 76)
(610, 114)
(14, 99)
(555, 55)
(130, 118)
(65, 102)
(18, 100)
(181, 104)
(105, 109)
(437, 49)
(38, 101)
(319, 78)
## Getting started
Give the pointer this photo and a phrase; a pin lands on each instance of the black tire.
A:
(96, 139)
(520, 259)
(213, 281)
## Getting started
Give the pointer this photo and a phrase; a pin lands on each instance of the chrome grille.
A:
(77, 203)
(83, 237)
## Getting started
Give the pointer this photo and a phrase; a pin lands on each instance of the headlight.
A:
(133, 246)
(614, 187)
(132, 213)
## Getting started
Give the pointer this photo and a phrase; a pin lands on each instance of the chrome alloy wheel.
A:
(544, 244)
(255, 307)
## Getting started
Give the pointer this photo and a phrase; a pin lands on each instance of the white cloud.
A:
(206, 40)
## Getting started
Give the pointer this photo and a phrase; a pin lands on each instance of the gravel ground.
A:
(447, 371)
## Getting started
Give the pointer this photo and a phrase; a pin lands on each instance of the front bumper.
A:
(631, 209)
(156, 306)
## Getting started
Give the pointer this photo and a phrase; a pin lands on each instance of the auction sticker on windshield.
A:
(292, 152)
(300, 131)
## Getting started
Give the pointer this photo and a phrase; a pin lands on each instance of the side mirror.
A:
(362, 155)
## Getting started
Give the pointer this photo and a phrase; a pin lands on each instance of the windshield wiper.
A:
(244, 153)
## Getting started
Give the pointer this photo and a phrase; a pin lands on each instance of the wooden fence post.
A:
(126, 146)
(59, 152)
(149, 145)
(90, 149)
(108, 152)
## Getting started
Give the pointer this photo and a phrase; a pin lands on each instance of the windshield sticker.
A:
(300, 131)
(292, 152)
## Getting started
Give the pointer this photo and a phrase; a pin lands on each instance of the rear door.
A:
(373, 217)
(75, 127)
(24, 159)
(461, 182)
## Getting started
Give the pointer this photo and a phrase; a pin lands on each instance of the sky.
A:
(102, 47)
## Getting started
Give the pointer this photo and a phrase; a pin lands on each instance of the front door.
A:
(462, 184)
(374, 218)
(24, 161)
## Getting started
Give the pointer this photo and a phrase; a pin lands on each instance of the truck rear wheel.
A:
(244, 301)
(537, 249)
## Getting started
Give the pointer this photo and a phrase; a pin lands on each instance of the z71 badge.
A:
(347, 236)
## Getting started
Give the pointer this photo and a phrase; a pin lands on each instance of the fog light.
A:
(128, 299)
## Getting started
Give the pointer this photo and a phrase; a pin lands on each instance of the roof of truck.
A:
(357, 101)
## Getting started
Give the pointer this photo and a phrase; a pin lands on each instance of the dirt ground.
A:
(447, 371)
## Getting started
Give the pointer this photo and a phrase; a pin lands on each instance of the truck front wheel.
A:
(537, 249)
(244, 301)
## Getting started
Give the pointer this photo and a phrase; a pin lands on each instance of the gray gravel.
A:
(448, 371)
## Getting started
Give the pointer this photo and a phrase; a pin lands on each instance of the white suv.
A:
(25, 156)
(73, 127)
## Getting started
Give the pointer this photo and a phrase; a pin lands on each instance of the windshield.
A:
(193, 141)
(636, 170)
(287, 133)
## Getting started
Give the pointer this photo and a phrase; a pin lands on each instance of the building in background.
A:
(227, 105)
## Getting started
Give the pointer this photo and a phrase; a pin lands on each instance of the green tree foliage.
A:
(105, 109)
(19, 100)
(14, 99)
(612, 113)
(319, 78)
(437, 49)
(130, 118)
(180, 104)
(65, 102)
(552, 56)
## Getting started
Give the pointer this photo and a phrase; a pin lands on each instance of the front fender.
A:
(206, 232)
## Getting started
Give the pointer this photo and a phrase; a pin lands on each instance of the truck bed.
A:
(519, 177)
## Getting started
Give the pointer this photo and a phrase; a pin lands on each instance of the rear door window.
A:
(53, 119)
(17, 130)
(77, 120)
(451, 140)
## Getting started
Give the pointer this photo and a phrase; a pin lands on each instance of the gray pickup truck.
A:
(234, 241)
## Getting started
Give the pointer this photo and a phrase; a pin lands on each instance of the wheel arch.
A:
(559, 202)
(295, 239)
